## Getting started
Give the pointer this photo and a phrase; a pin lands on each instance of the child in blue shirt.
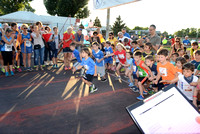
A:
(89, 66)
(108, 60)
(76, 55)
(99, 57)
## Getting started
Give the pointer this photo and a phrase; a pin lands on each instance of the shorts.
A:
(101, 70)
(54, 53)
(7, 57)
(88, 77)
(141, 78)
(1, 47)
(135, 76)
(109, 60)
(76, 64)
(18, 48)
(27, 50)
(67, 50)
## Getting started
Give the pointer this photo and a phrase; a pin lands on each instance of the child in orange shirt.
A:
(179, 64)
(165, 69)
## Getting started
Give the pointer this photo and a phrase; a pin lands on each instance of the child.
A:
(134, 46)
(55, 37)
(186, 81)
(165, 69)
(187, 57)
(195, 47)
(149, 60)
(99, 57)
(108, 50)
(76, 55)
(196, 61)
(179, 64)
(142, 73)
(173, 58)
(196, 92)
(128, 67)
(180, 52)
(147, 50)
(127, 43)
(121, 54)
(89, 65)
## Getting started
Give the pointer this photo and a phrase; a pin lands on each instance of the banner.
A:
(103, 4)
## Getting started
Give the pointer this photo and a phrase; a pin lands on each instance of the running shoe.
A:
(54, 65)
(145, 93)
(6, 74)
(151, 92)
(19, 70)
(135, 89)
(140, 97)
(118, 78)
(91, 90)
(131, 85)
(69, 68)
(3, 70)
(12, 73)
(103, 79)
(66, 68)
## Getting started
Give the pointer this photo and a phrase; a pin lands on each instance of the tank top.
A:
(28, 36)
(6, 47)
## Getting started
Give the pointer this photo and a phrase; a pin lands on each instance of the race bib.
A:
(28, 43)
(86, 67)
(8, 47)
(107, 53)
(121, 56)
(134, 68)
(163, 71)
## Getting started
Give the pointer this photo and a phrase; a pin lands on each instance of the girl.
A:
(121, 54)
(68, 38)
(179, 64)
(195, 47)
(109, 60)
(7, 53)
(89, 66)
(176, 46)
(129, 67)
(26, 47)
(38, 47)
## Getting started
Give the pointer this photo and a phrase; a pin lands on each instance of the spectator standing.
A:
(79, 39)
(125, 33)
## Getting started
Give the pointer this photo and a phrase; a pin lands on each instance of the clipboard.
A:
(167, 111)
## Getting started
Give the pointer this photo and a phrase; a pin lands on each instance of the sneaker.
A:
(135, 89)
(43, 65)
(36, 68)
(46, 63)
(54, 65)
(51, 63)
(29, 69)
(118, 78)
(91, 90)
(6, 74)
(95, 89)
(151, 92)
(13, 69)
(145, 93)
(25, 69)
(69, 68)
(66, 68)
(12, 73)
(131, 85)
(19, 70)
(103, 79)
(140, 97)
(3, 70)
(129, 81)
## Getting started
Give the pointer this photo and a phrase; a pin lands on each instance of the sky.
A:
(167, 15)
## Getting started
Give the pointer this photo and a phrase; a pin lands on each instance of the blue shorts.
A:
(135, 76)
(54, 53)
(27, 50)
(109, 60)
(67, 50)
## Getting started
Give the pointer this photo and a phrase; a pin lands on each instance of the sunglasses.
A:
(177, 41)
(25, 28)
(110, 35)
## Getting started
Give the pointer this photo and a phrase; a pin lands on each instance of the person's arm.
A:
(149, 70)
(195, 94)
(102, 58)
(7, 42)
(157, 78)
(109, 55)
(76, 68)
(170, 81)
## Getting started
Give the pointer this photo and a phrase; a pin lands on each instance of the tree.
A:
(140, 28)
(97, 22)
(9, 6)
(67, 8)
(118, 25)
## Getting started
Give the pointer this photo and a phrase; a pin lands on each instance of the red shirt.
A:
(121, 55)
(47, 36)
(66, 36)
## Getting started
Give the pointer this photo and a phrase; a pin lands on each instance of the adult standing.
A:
(186, 42)
(176, 46)
(98, 30)
(125, 33)
(68, 38)
(79, 39)
(153, 38)
(112, 39)
(38, 47)
(26, 47)
(95, 38)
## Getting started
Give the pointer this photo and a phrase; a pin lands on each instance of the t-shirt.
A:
(121, 56)
(128, 45)
(108, 51)
(185, 87)
(134, 67)
(79, 37)
(66, 36)
(98, 55)
(154, 70)
(56, 39)
(186, 42)
(130, 62)
(127, 35)
(77, 55)
(89, 65)
(113, 41)
(167, 71)
(143, 72)
(195, 63)
(179, 71)
(6, 47)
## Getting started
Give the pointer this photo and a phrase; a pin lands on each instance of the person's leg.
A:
(65, 59)
(36, 57)
(56, 54)
(41, 53)
(29, 59)
(117, 69)
(69, 59)
(5, 60)
(10, 55)
(24, 59)
(130, 76)
(141, 88)
(87, 82)
(45, 55)
(50, 56)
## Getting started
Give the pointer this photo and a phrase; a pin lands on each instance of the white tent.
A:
(30, 17)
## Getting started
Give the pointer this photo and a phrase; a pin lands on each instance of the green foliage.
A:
(9, 6)
(73, 8)
(140, 28)
(118, 25)
(97, 22)
(191, 32)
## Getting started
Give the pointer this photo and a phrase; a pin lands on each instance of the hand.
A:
(193, 84)
(98, 61)
(151, 78)
(156, 82)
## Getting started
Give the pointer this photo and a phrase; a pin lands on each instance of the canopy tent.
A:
(22, 17)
